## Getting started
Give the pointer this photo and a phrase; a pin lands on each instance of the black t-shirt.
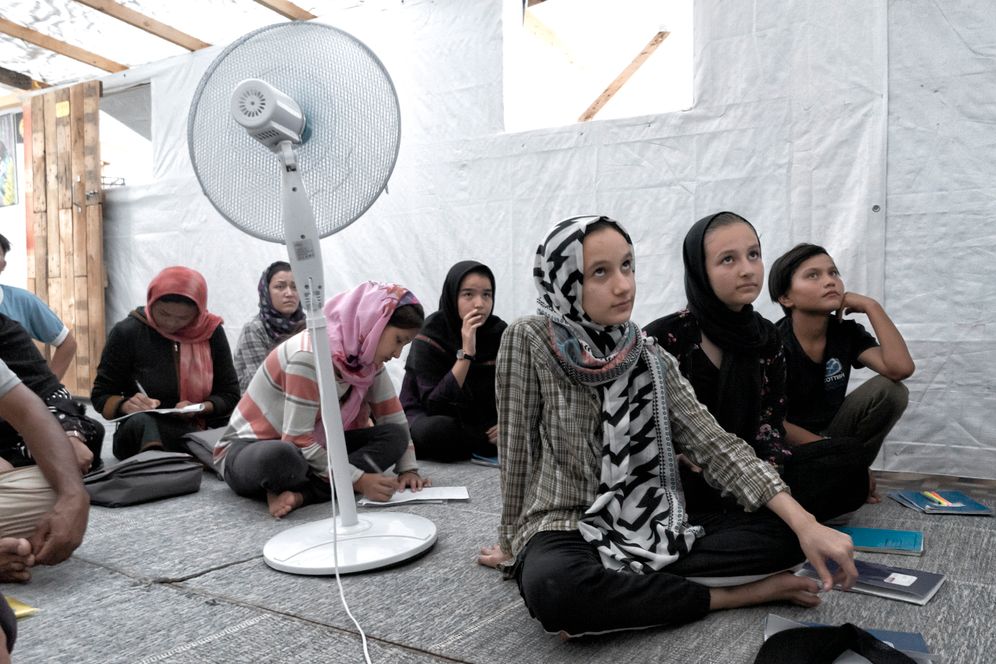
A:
(24, 359)
(21, 355)
(816, 390)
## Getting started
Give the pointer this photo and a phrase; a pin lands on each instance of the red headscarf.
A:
(196, 367)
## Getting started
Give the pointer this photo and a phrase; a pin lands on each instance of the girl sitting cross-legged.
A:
(594, 525)
(449, 387)
(274, 446)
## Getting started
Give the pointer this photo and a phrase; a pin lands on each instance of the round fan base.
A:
(377, 540)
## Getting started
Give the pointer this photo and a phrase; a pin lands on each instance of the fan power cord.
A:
(338, 580)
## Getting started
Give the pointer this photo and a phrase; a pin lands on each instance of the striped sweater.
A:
(282, 403)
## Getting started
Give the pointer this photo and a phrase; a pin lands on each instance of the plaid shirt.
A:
(549, 440)
(253, 347)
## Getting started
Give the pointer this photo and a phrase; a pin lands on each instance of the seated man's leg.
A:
(25, 495)
(565, 586)
(869, 413)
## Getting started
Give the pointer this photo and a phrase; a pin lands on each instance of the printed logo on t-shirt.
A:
(834, 373)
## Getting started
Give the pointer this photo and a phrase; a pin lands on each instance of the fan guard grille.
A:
(350, 142)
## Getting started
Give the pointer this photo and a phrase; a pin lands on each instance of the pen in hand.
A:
(141, 399)
(377, 486)
(373, 464)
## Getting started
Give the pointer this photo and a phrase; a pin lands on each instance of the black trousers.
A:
(829, 477)
(138, 431)
(445, 438)
(255, 468)
(565, 586)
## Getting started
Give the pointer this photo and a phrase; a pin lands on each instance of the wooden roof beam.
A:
(60, 47)
(15, 79)
(287, 9)
(146, 23)
(621, 79)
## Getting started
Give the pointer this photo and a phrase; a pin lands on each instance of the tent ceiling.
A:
(55, 42)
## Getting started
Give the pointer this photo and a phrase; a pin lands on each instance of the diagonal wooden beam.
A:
(287, 9)
(60, 47)
(16, 79)
(146, 23)
(621, 79)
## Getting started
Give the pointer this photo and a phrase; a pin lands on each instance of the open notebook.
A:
(431, 494)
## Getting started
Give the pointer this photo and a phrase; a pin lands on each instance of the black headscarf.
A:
(444, 326)
(433, 351)
(743, 335)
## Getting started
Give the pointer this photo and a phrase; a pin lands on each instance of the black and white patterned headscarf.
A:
(638, 520)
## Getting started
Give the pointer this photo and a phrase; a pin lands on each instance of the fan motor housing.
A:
(269, 115)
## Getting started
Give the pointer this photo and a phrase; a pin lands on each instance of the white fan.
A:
(293, 133)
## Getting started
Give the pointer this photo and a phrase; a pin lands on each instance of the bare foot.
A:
(282, 504)
(16, 559)
(873, 495)
(784, 587)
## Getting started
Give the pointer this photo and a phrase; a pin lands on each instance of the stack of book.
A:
(940, 502)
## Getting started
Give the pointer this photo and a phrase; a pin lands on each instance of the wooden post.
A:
(65, 260)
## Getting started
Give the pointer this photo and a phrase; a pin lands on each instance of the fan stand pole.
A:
(346, 543)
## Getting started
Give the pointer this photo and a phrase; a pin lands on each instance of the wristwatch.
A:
(76, 434)
(461, 355)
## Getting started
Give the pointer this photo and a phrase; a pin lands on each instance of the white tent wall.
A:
(789, 128)
(941, 243)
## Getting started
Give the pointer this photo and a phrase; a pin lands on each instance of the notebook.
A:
(941, 502)
(906, 585)
(192, 408)
(882, 540)
(430, 494)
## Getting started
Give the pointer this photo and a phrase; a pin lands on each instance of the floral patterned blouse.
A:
(679, 334)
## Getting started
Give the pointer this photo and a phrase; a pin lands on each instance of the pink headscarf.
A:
(356, 320)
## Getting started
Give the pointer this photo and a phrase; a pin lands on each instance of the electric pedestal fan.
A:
(293, 133)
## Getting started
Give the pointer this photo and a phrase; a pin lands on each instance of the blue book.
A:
(482, 460)
(941, 502)
(881, 540)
